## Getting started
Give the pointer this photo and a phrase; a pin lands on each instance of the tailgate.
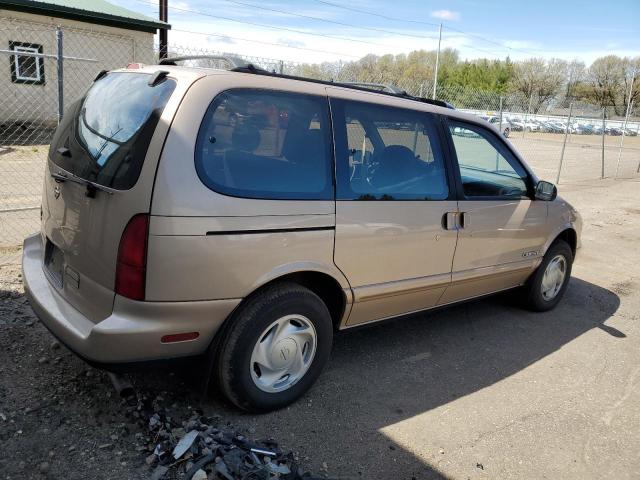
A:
(100, 173)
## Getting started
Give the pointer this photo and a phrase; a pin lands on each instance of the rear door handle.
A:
(450, 221)
(464, 220)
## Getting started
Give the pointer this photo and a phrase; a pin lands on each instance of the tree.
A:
(576, 73)
(539, 80)
(605, 82)
(631, 73)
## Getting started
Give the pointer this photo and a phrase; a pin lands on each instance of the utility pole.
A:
(164, 16)
(435, 76)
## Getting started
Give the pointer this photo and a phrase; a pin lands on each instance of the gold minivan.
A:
(241, 217)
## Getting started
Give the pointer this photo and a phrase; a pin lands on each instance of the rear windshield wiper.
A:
(91, 186)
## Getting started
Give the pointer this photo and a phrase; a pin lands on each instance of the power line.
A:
(286, 29)
(397, 19)
(259, 7)
(473, 35)
(335, 22)
(379, 15)
(266, 43)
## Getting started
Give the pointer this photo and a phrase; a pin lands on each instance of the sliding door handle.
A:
(464, 220)
(450, 221)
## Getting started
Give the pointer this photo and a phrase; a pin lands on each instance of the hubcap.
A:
(283, 353)
(553, 277)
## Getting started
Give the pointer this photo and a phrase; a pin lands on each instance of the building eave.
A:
(98, 18)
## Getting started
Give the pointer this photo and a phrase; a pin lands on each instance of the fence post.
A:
(624, 130)
(604, 109)
(415, 129)
(564, 144)
(60, 65)
(281, 67)
(499, 128)
(435, 75)
(526, 115)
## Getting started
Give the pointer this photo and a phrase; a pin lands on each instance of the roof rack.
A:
(379, 86)
(237, 64)
(232, 60)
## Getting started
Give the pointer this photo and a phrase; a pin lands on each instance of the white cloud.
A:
(180, 5)
(446, 15)
(291, 43)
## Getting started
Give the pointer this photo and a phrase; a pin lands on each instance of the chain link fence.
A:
(51, 67)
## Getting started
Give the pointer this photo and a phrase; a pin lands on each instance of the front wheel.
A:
(275, 348)
(547, 285)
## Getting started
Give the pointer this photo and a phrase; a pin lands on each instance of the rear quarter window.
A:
(266, 144)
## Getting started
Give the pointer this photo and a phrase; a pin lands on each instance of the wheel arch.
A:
(332, 288)
(570, 236)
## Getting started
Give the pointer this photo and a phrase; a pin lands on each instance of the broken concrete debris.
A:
(197, 449)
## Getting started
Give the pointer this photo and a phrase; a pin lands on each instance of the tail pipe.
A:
(122, 385)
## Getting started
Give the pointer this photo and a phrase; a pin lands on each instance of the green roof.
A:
(90, 11)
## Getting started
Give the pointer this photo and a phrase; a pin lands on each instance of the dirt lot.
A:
(483, 390)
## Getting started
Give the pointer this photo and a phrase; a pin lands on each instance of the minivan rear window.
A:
(266, 144)
(105, 135)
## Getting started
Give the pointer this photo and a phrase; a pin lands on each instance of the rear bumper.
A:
(132, 333)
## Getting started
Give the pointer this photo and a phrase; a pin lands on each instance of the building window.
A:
(26, 68)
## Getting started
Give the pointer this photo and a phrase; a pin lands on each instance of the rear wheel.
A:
(275, 348)
(506, 132)
(547, 285)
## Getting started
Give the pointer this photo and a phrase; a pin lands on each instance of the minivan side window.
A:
(266, 144)
(387, 153)
(487, 167)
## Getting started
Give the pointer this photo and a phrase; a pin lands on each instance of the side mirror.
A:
(546, 191)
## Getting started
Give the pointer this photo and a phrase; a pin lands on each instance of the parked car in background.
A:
(516, 124)
(553, 127)
(505, 127)
(581, 129)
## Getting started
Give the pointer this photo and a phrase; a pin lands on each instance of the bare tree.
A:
(575, 74)
(606, 78)
(631, 73)
(539, 80)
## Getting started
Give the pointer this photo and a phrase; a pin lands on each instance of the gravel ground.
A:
(482, 390)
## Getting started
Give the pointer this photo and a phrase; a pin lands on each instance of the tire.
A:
(535, 298)
(292, 308)
(506, 132)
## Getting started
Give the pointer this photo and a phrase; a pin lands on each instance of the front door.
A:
(502, 228)
(392, 240)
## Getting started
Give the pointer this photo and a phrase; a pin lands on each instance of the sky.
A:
(314, 31)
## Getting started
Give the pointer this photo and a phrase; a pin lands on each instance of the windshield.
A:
(108, 131)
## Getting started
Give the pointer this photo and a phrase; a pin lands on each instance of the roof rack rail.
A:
(393, 90)
(237, 64)
(233, 61)
(380, 86)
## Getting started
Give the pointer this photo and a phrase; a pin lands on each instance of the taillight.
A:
(132, 258)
